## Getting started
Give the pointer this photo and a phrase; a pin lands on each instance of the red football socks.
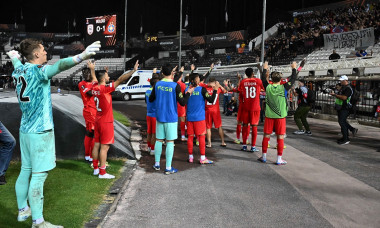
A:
(190, 143)
(102, 170)
(280, 146)
(254, 135)
(182, 126)
(95, 163)
(149, 145)
(152, 146)
(238, 130)
(87, 146)
(202, 144)
(265, 144)
(245, 134)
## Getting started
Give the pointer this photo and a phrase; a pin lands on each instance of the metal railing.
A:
(369, 91)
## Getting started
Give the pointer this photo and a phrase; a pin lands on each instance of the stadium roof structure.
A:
(205, 17)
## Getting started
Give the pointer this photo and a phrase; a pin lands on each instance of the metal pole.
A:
(125, 34)
(180, 37)
(263, 31)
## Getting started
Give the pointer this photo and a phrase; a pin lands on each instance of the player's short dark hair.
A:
(28, 46)
(154, 80)
(86, 74)
(276, 77)
(187, 78)
(193, 76)
(249, 72)
(212, 79)
(100, 74)
(166, 70)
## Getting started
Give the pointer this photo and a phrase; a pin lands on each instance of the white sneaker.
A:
(24, 215)
(152, 152)
(96, 172)
(299, 132)
(90, 159)
(106, 176)
(46, 225)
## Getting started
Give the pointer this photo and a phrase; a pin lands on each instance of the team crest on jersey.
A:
(90, 29)
(111, 28)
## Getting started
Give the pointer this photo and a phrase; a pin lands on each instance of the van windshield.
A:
(135, 80)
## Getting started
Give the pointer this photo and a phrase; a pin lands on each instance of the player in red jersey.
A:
(104, 131)
(239, 117)
(202, 83)
(181, 109)
(205, 76)
(89, 109)
(249, 94)
(213, 112)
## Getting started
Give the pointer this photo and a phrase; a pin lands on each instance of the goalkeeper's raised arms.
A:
(14, 56)
(90, 51)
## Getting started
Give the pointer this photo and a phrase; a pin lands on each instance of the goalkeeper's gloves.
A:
(13, 54)
(90, 51)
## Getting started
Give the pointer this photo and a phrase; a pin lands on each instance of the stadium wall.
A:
(69, 129)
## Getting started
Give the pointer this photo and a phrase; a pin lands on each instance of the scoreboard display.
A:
(101, 28)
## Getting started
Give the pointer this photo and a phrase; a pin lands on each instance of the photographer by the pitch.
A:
(341, 105)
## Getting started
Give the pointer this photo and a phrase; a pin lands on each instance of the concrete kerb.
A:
(135, 141)
(112, 199)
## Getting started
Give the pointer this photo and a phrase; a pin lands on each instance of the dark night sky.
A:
(157, 15)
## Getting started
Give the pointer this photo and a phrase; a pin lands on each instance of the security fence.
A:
(367, 87)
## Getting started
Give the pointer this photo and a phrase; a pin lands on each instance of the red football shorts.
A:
(240, 113)
(197, 127)
(251, 117)
(89, 118)
(213, 117)
(104, 133)
(151, 123)
(278, 124)
(181, 110)
(90, 126)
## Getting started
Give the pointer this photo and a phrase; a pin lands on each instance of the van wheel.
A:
(126, 97)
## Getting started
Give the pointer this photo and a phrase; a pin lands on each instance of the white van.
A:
(135, 86)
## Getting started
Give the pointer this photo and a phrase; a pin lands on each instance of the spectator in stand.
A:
(306, 31)
(228, 59)
(334, 56)
(361, 53)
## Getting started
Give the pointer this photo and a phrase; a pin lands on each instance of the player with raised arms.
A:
(196, 116)
(104, 129)
(276, 110)
(166, 94)
(89, 109)
(37, 143)
(249, 95)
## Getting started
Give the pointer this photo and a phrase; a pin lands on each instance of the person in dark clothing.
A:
(334, 56)
(300, 116)
(7, 144)
(232, 107)
(342, 98)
